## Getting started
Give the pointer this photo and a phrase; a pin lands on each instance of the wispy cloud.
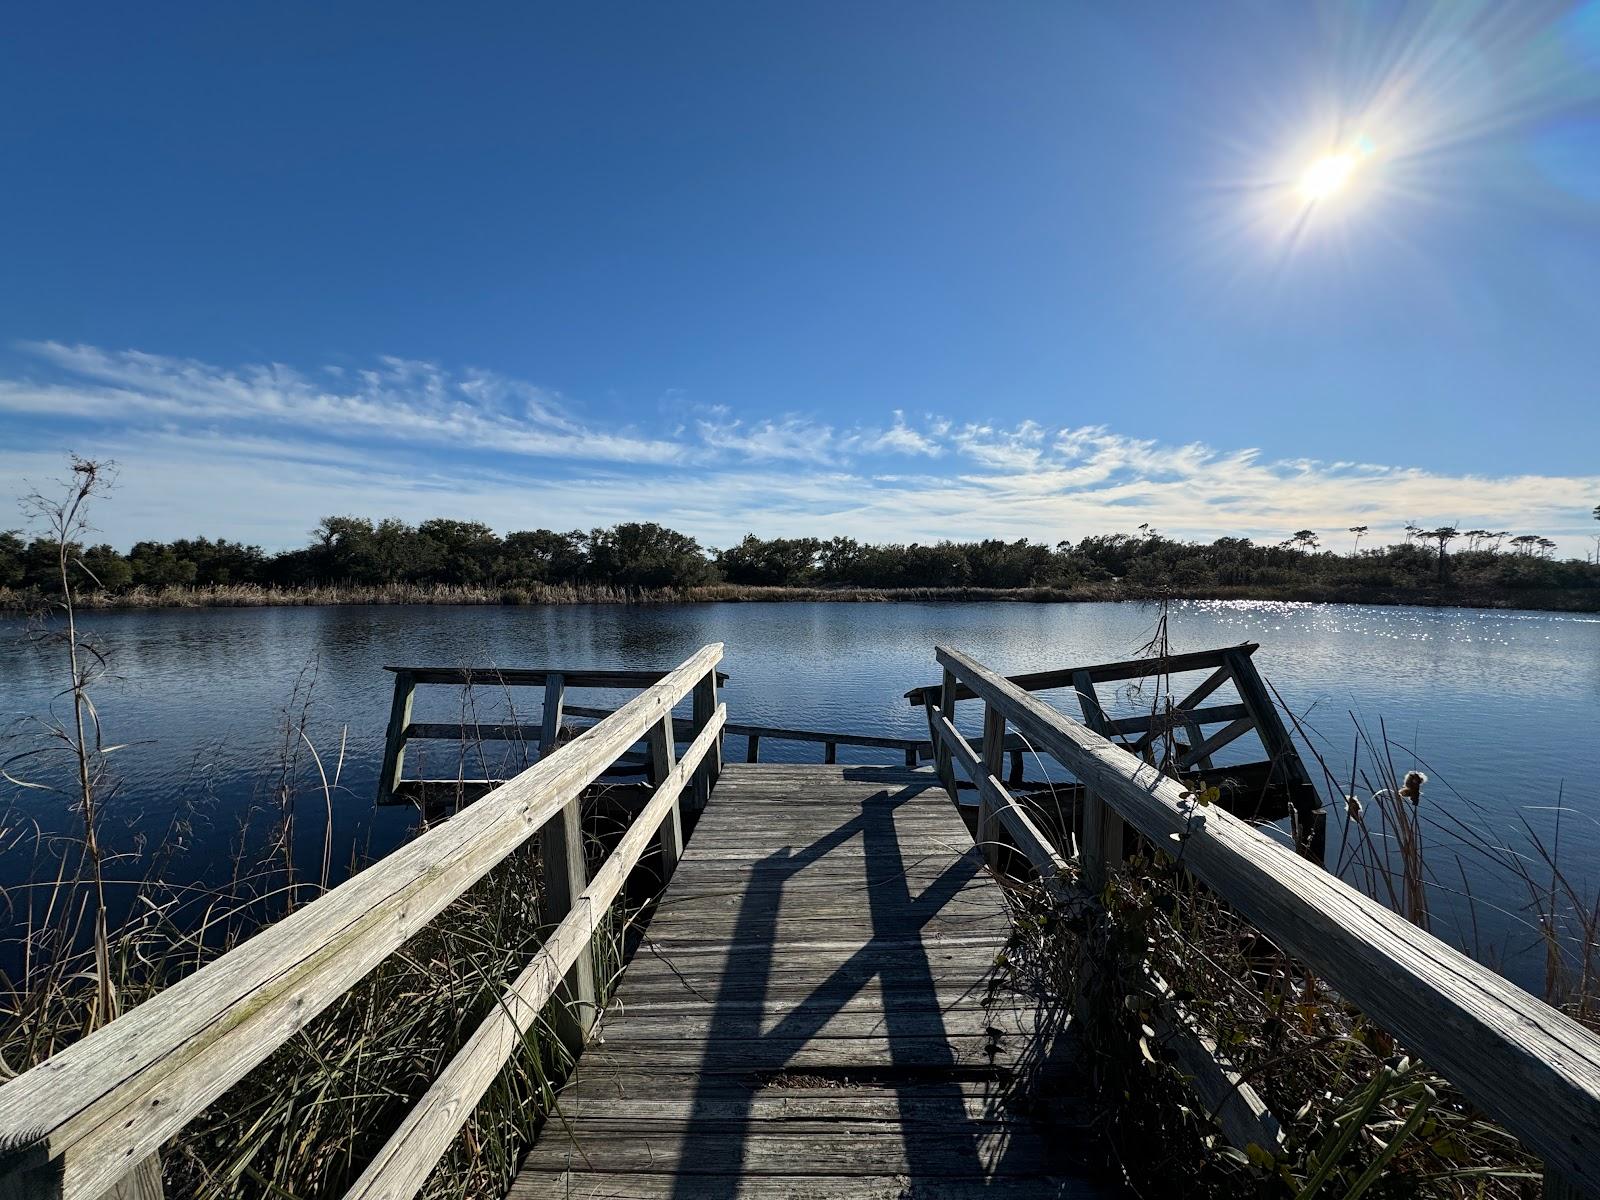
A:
(262, 451)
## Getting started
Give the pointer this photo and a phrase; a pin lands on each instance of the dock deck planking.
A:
(809, 1015)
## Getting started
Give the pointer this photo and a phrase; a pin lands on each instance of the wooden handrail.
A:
(536, 676)
(76, 1124)
(1238, 1107)
(399, 1170)
(1527, 1065)
(778, 733)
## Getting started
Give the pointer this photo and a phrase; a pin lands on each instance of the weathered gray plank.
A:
(829, 924)
(537, 676)
(394, 742)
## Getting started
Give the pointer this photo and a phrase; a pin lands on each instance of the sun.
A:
(1328, 176)
(1332, 173)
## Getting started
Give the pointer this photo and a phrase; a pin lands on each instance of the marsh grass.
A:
(254, 596)
(306, 1121)
(96, 930)
(1360, 1115)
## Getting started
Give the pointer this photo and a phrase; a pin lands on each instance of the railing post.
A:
(752, 750)
(830, 752)
(394, 744)
(565, 877)
(994, 749)
(911, 756)
(941, 752)
(1102, 846)
(555, 694)
(1016, 769)
(662, 757)
(141, 1183)
(705, 707)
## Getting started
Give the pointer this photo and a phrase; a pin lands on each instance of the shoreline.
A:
(1570, 600)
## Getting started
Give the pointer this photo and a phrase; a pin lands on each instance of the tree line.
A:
(356, 551)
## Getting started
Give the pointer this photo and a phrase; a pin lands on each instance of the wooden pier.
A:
(810, 1012)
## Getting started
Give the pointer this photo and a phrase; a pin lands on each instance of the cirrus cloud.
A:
(262, 451)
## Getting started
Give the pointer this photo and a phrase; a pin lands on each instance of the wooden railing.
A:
(1524, 1063)
(402, 730)
(1271, 788)
(90, 1121)
(911, 748)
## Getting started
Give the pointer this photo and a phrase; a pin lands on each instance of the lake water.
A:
(1502, 707)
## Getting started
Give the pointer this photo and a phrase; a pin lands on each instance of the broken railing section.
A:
(1182, 732)
(89, 1122)
(1529, 1066)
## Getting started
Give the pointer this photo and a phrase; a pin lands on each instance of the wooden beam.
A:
(449, 731)
(115, 1096)
(946, 712)
(1219, 739)
(994, 740)
(704, 704)
(1274, 736)
(1532, 1068)
(661, 766)
(561, 860)
(394, 740)
(1025, 835)
(1160, 721)
(536, 676)
(1089, 701)
(1133, 668)
(683, 729)
(555, 695)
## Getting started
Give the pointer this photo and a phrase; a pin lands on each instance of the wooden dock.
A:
(810, 1014)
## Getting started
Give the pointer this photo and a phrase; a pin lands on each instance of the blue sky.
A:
(894, 270)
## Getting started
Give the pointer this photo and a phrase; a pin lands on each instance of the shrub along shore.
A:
(353, 560)
(1578, 600)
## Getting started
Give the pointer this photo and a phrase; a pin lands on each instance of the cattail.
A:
(1411, 789)
(1353, 805)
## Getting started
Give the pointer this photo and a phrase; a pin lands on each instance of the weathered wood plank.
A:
(482, 731)
(684, 729)
(826, 925)
(394, 742)
(537, 676)
(1219, 739)
(1214, 715)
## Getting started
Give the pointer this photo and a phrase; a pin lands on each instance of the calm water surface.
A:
(1502, 707)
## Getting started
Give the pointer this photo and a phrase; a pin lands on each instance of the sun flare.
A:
(1328, 176)
(1334, 171)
